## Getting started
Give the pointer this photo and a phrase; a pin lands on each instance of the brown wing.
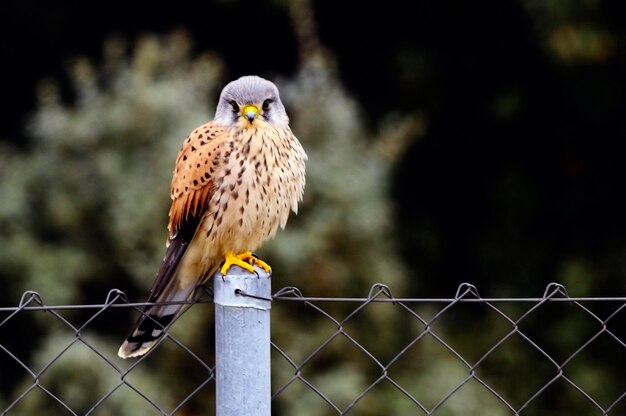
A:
(191, 190)
(192, 185)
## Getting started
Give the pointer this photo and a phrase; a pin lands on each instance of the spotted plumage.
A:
(235, 181)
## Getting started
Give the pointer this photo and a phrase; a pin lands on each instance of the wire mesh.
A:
(381, 355)
(32, 302)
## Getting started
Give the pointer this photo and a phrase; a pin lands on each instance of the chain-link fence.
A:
(464, 355)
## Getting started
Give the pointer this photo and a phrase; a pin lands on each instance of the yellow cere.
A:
(248, 108)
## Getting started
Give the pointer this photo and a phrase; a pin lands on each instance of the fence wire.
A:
(297, 359)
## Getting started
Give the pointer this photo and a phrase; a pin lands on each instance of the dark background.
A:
(521, 168)
(516, 181)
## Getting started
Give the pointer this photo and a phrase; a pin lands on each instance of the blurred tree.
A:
(86, 203)
(85, 213)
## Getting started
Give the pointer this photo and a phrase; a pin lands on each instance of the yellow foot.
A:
(251, 258)
(245, 260)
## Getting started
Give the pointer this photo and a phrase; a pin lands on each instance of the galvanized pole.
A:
(242, 343)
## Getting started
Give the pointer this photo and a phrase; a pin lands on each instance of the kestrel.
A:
(235, 181)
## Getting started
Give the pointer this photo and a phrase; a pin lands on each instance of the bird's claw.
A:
(246, 260)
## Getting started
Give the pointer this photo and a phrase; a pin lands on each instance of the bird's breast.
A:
(260, 181)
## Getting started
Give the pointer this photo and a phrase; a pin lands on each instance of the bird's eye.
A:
(235, 106)
(266, 104)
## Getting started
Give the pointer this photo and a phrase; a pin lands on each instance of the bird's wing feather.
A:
(192, 184)
(191, 191)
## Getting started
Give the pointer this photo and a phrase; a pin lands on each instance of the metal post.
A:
(242, 343)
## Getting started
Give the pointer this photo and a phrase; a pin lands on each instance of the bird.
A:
(235, 181)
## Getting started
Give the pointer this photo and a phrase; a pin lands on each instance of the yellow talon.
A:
(252, 259)
(245, 260)
(230, 259)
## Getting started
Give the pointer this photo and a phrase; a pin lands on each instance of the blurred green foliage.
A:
(87, 201)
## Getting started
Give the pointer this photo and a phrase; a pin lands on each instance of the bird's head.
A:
(250, 101)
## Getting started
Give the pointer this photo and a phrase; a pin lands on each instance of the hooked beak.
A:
(250, 112)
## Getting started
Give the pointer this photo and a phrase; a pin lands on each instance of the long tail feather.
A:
(154, 321)
(173, 284)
